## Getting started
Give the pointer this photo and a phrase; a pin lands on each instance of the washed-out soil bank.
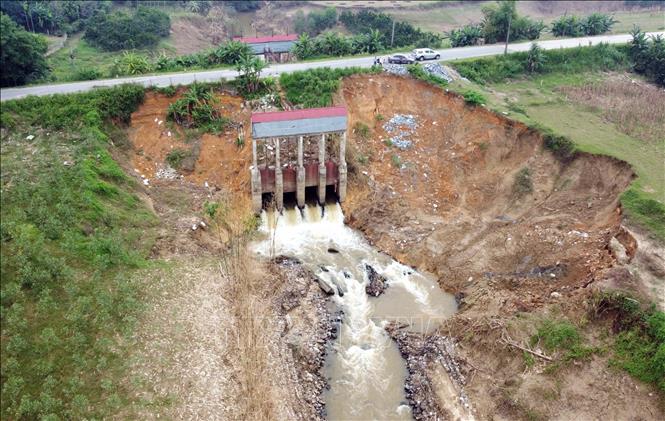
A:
(447, 196)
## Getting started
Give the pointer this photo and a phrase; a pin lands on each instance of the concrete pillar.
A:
(255, 176)
(341, 187)
(322, 169)
(279, 180)
(300, 176)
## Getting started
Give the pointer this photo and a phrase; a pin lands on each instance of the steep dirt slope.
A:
(452, 204)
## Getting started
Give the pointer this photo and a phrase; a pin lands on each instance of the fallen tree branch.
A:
(508, 341)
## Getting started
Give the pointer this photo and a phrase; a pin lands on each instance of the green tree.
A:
(21, 54)
(501, 21)
(120, 31)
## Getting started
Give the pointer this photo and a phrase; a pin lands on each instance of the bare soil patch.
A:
(219, 160)
(193, 33)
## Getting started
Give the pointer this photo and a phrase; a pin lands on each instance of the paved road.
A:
(276, 69)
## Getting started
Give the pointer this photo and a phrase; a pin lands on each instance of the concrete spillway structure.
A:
(292, 150)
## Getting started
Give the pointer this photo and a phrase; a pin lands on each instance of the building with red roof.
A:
(273, 47)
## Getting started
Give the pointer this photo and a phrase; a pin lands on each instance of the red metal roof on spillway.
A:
(274, 38)
(299, 114)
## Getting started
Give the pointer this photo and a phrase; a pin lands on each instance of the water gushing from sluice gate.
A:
(365, 369)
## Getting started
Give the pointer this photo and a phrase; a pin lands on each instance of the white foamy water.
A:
(365, 370)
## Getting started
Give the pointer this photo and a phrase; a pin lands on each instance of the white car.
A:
(425, 54)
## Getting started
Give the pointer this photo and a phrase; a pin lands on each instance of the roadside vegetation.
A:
(575, 26)
(315, 87)
(601, 57)
(71, 228)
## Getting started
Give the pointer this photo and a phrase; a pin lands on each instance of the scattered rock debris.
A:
(307, 327)
(422, 354)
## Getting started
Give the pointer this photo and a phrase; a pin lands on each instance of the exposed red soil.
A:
(220, 161)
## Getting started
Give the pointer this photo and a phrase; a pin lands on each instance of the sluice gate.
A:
(292, 150)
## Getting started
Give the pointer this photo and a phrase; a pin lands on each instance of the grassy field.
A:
(72, 232)
(446, 18)
(87, 57)
(539, 100)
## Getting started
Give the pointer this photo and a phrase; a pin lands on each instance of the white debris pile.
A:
(436, 69)
(396, 69)
(166, 173)
(401, 127)
(432, 68)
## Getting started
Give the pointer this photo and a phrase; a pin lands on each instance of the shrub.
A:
(648, 56)
(197, 109)
(231, 52)
(472, 97)
(175, 157)
(248, 81)
(467, 35)
(523, 183)
(169, 91)
(535, 59)
(573, 26)
(315, 22)
(567, 26)
(131, 63)
(561, 146)
(87, 74)
(119, 31)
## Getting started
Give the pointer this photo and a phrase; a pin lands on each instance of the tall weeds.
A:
(636, 108)
(249, 294)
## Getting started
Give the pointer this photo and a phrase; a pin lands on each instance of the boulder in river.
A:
(377, 283)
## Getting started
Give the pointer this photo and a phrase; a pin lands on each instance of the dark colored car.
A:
(400, 59)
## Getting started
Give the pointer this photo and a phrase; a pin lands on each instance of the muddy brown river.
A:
(365, 370)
